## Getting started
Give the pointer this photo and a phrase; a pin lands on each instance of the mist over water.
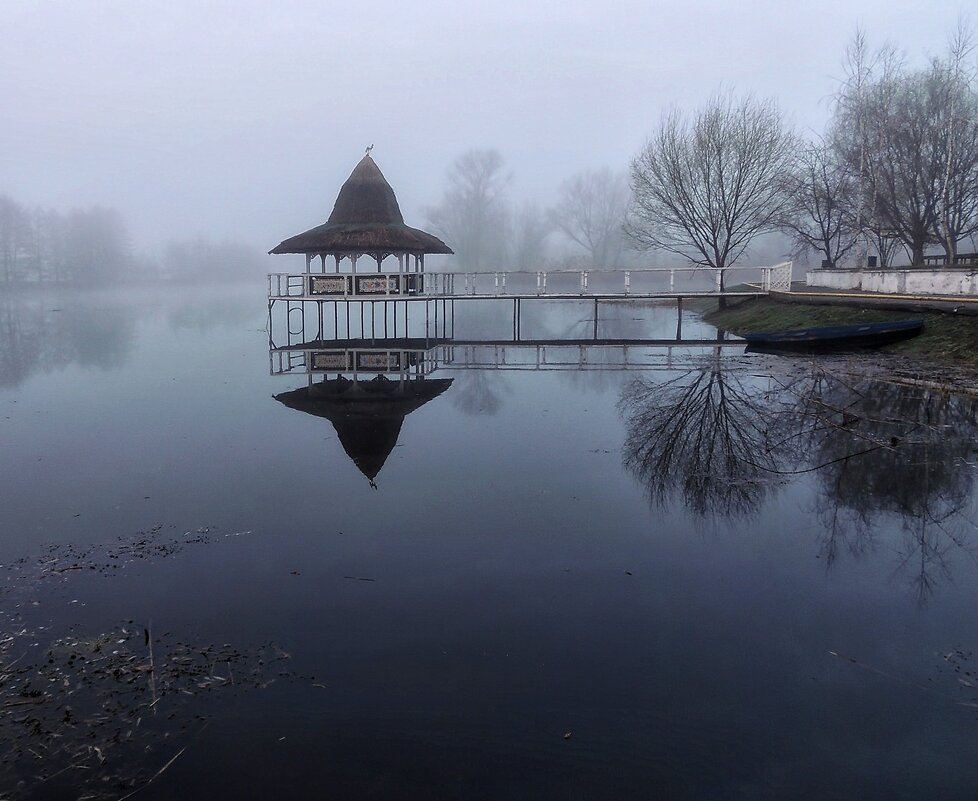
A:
(708, 574)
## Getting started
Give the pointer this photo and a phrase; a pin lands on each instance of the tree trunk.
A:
(917, 254)
(950, 249)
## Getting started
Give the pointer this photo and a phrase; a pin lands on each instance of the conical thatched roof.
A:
(365, 219)
(367, 415)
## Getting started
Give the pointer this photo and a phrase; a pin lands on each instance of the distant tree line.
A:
(92, 246)
(202, 260)
(42, 245)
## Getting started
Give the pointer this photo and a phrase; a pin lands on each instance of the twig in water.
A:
(152, 666)
(155, 776)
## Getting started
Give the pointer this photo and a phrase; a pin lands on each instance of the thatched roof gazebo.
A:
(366, 221)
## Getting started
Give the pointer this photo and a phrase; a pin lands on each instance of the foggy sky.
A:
(242, 119)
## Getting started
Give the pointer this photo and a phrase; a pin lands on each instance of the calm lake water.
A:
(708, 575)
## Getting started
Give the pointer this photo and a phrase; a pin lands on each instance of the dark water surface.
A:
(727, 577)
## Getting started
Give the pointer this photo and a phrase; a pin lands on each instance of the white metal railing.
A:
(649, 282)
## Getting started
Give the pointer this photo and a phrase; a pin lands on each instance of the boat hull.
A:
(835, 338)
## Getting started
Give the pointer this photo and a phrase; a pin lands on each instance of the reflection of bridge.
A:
(411, 358)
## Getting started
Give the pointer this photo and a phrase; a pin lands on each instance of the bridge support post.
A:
(679, 318)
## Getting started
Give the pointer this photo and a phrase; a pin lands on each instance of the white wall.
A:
(944, 281)
(834, 279)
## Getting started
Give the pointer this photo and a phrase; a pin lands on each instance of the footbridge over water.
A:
(644, 284)
(380, 300)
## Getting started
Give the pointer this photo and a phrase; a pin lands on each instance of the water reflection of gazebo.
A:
(367, 415)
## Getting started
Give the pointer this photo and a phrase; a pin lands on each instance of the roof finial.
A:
(367, 152)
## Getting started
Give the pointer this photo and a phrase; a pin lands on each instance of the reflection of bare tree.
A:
(811, 414)
(615, 321)
(35, 337)
(700, 435)
(15, 347)
(476, 394)
(890, 463)
(887, 451)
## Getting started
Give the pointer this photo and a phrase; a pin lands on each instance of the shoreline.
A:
(945, 354)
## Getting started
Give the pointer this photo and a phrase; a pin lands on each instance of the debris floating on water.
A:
(100, 711)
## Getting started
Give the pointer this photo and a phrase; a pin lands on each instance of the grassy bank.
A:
(946, 336)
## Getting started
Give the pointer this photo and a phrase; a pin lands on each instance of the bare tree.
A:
(591, 212)
(705, 187)
(472, 216)
(912, 137)
(858, 138)
(852, 139)
(529, 230)
(957, 127)
(822, 193)
(98, 244)
(13, 226)
(907, 168)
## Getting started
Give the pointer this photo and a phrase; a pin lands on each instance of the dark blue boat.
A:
(835, 337)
